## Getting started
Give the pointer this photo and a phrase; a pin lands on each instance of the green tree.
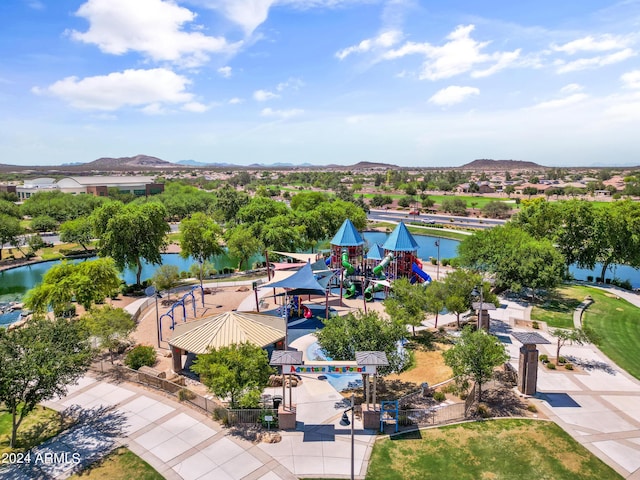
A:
(454, 206)
(242, 243)
(39, 361)
(577, 335)
(133, 233)
(35, 243)
(110, 326)
(10, 231)
(458, 286)
(78, 231)
(509, 190)
(44, 223)
(436, 298)
(529, 191)
(165, 278)
(88, 282)
(496, 209)
(200, 238)
(407, 303)
(520, 261)
(9, 208)
(234, 371)
(343, 336)
(475, 355)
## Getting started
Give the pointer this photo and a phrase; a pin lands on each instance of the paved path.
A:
(598, 404)
(181, 443)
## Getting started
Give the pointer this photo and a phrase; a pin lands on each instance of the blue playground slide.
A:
(421, 273)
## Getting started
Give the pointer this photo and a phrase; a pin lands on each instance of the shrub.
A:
(544, 358)
(220, 414)
(626, 284)
(439, 396)
(568, 366)
(185, 394)
(139, 356)
(446, 262)
(589, 278)
(434, 261)
(562, 360)
(532, 408)
(551, 366)
(273, 423)
(535, 325)
(483, 411)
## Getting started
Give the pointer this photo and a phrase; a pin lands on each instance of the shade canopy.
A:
(375, 253)
(303, 280)
(228, 328)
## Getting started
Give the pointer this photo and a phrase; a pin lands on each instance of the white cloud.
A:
(150, 89)
(35, 5)
(235, 101)
(452, 95)
(264, 95)
(384, 40)
(459, 55)
(631, 79)
(571, 88)
(284, 114)
(596, 62)
(561, 102)
(291, 84)
(225, 72)
(195, 107)
(150, 27)
(590, 43)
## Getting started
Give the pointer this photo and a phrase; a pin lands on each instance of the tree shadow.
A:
(589, 364)
(502, 400)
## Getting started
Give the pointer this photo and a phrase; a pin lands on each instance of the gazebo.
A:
(199, 336)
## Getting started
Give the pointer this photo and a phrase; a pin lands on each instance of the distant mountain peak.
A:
(488, 164)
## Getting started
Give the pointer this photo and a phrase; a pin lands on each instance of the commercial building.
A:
(141, 186)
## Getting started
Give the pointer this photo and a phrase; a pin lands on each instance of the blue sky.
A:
(412, 83)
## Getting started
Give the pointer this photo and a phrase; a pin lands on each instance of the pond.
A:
(16, 282)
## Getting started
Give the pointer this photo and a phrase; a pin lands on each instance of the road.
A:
(448, 220)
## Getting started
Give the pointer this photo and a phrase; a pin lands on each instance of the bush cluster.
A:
(139, 356)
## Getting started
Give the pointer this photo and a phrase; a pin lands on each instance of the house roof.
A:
(347, 236)
(228, 328)
(401, 240)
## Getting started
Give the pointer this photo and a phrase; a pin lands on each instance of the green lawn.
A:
(557, 311)
(434, 232)
(615, 321)
(617, 324)
(122, 464)
(40, 425)
(510, 449)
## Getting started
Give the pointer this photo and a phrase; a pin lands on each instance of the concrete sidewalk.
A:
(182, 443)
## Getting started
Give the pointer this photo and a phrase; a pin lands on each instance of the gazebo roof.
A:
(530, 338)
(347, 236)
(401, 240)
(228, 328)
(286, 357)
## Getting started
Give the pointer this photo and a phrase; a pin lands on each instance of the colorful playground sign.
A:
(323, 369)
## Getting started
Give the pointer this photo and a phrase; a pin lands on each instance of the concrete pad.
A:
(343, 450)
(138, 405)
(179, 423)
(269, 476)
(599, 380)
(555, 382)
(630, 405)
(308, 466)
(154, 437)
(132, 423)
(170, 449)
(222, 451)
(287, 462)
(197, 434)
(80, 384)
(217, 474)
(605, 422)
(194, 467)
(338, 466)
(284, 447)
(83, 400)
(155, 411)
(627, 457)
(241, 465)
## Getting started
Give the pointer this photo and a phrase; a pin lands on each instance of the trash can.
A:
(277, 400)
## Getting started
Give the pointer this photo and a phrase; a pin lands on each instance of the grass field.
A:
(510, 449)
(40, 425)
(122, 464)
(617, 325)
(615, 321)
(434, 232)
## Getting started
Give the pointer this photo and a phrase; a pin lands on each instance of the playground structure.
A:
(404, 262)
(181, 303)
(347, 250)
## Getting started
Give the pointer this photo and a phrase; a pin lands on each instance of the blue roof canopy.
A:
(375, 253)
(347, 236)
(401, 240)
(303, 280)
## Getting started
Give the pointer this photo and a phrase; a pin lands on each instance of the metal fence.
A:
(432, 416)
(250, 415)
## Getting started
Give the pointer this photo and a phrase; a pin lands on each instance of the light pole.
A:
(475, 293)
(438, 264)
(344, 421)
